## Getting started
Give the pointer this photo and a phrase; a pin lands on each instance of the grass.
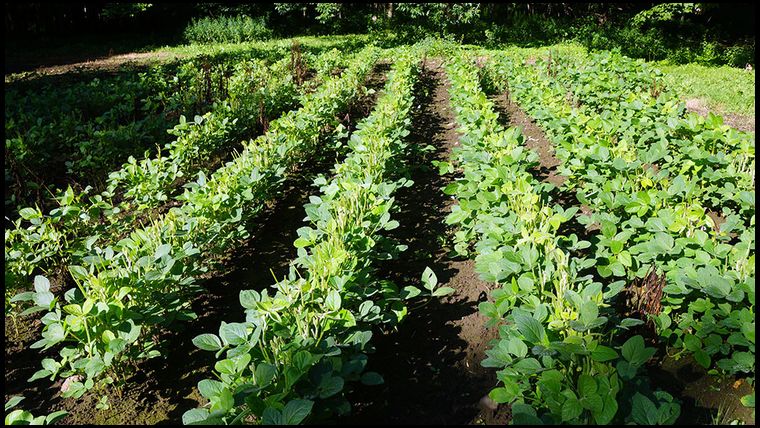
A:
(194, 49)
(725, 89)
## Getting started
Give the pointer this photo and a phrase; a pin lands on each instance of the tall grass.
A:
(227, 29)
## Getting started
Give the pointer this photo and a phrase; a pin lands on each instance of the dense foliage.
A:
(706, 33)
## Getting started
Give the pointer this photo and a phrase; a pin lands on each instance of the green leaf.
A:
(505, 394)
(210, 388)
(330, 386)
(161, 251)
(301, 243)
(530, 328)
(41, 284)
(523, 414)
(517, 347)
(222, 403)
(410, 292)
(225, 366)
(19, 417)
(630, 322)
(528, 366)
(194, 416)
(571, 409)
(272, 416)
(249, 298)
(443, 291)
(55, 417)
(589, 312)
(603, 353)
(643, 411)
(296, 411)
(748, 400)
(372, 378)
(13, 401)
(28, 213)
(235, 333)
(39, 374)
(626, 370)
(702, 358)
(608, 411)
(333, 301)
(429, 280)
(264, 374)
(207, 342)
(79, 273)
(634, 351)
(586, 385)
(691, 342)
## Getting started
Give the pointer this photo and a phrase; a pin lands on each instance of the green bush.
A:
(226, 29)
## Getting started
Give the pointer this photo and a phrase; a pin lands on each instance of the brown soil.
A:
(107, 64)
(535, 139)
(738, 121)
(511, 114)
(701, 394)
(431, 365)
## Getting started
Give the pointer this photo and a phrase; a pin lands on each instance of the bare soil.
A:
(106, 64)
(431, 365)
(738, 121)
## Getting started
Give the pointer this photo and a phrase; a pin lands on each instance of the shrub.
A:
(226, 29)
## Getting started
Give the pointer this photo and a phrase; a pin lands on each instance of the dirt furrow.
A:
(431, 365)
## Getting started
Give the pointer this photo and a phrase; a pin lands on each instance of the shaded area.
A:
(701, 393)
(431, 366)
(110, 63)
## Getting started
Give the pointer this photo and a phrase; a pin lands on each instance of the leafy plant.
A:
(23, 417)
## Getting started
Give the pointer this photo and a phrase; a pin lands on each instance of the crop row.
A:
(654, 214)
(722, 337)
(69, 231)
(556, 363)
(295, 351)
(644, 122)
(84, 128)
(133, 287)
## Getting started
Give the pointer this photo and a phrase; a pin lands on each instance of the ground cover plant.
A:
(594, 236)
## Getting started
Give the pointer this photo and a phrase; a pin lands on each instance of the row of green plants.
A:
(634, 108)
(81, 130)
(65, 129)
(648, 172)
(676, 166)
(41, 242)
(291, 359)
(562, 354)
(127, 291)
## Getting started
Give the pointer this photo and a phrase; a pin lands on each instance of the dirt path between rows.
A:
(107, 64)
(431, 365)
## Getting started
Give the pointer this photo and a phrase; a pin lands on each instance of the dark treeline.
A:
(712, 33)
